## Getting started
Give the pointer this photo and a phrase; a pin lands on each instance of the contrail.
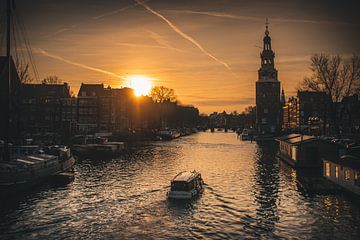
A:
(137, 45)
(65, 29)
(185, 36)
(118, 10)
(47, 54)
(252, 18)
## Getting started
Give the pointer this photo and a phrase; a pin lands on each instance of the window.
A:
(263, 120)
(327, 169)
(357, 178)
(347, 174)
(266, 110)
(337, 172)
(293, 152)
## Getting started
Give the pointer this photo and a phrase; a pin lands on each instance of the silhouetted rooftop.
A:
(46, 90)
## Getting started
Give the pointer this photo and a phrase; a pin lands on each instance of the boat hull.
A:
(17, 185)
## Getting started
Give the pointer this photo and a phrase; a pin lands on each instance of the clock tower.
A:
(268, 107)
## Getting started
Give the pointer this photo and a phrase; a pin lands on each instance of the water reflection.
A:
(266, 188)
(248, 194)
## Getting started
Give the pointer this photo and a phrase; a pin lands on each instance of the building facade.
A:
(104, 109)
(47, 110)
(291, 114)
(306, 113)
(312, 109)
(268, 107)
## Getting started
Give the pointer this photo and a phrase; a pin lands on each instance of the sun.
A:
(141, 84)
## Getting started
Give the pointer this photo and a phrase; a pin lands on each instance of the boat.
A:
(244, 135)
(247, 134)
(168, 134)
(98, 146)
(25, 169)
(23, 166)
(186, 185)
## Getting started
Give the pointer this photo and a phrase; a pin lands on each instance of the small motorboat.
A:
(186, 185)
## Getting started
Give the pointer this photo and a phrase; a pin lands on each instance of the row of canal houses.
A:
(338, 163)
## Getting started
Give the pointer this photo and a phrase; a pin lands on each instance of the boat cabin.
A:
(344, 170)
(186, 185)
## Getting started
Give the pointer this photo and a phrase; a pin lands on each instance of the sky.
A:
(207, 51)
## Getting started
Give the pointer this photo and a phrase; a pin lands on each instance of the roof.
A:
(46, 90)
(346, 160)
(185, 176)
(301, 139)
(98, 89)
(285, 137)
(355, 151)
(302, 94)
(296, 139)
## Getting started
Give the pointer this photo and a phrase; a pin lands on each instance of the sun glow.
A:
(141, 84)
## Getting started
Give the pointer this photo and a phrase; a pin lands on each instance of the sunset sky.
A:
(207, 51)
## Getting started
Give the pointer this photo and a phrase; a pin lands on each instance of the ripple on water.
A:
(248, 194)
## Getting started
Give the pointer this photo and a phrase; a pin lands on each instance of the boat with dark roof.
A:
(186, 185)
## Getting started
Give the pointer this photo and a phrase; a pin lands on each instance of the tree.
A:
(337, 77)
(53, 79)
(23, 72)
(160, 94)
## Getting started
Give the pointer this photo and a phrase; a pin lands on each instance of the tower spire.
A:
(267, 27)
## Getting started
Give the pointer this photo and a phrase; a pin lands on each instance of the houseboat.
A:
(344, 169)
(186, 185)
(26, 169)
(91, 146)
(300, 151)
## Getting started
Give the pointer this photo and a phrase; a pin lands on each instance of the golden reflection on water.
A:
(248, 194)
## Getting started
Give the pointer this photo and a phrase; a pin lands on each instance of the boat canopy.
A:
(185, 176)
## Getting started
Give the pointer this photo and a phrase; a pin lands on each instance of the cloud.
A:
(162, 41)
(225, 102)
(60, 31)
(186, 36)
(117, 10)
(65, 29)
(80, 65)
(217, 101)
(137, 45)
(254, 18)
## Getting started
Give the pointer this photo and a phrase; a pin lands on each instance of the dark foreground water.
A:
(249, 194)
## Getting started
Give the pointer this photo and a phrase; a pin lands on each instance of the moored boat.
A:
(168, 134)
(26, 170)
(93, 147)
(186, 185)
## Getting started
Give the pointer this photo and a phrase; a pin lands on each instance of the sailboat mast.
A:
(8, 28)
(7, 126)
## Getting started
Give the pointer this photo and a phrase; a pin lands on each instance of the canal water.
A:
(248, 194)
